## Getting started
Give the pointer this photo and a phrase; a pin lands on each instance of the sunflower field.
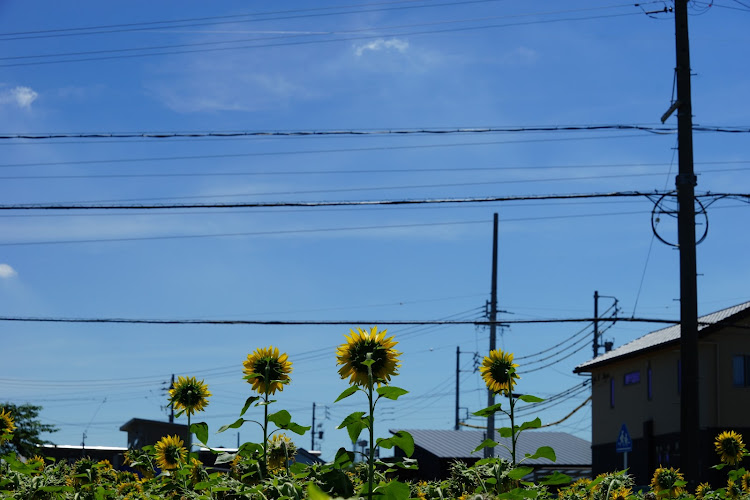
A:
(267, 470)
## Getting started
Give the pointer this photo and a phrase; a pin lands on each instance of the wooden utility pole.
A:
(685, 183)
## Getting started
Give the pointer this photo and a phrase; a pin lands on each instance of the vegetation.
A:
(267, 470)
(25, 438)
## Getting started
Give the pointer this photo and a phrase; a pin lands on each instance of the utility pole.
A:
(458, 387)
(685, 183)
(171, 407)
(312, 434)
(596, 323)
(490, 452)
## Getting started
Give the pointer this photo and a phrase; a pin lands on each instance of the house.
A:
(638, 385)
(435, 450)
(142, 432)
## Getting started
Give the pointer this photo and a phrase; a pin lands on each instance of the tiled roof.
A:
(660, 337)
(570, 450)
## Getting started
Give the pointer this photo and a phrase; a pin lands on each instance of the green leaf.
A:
(200, 429)
(487, 443)
(280, 418)
(391, 392)
(533, 424)
(315, 493)
(248, 402)
(354, 424)
(392, 490)
(489, 411)
(225, 458)
(505, 432)
(528, 398)
(299, 469)
(520, 472)
(249, 449)
(351, 390)
(402, 439)
(368, 362)
(297, 429)
(343, 459)
(544, 452)
(555, 479)
(237, 424)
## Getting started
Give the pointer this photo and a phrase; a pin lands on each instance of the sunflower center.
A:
(172, 454)
(275, 369)
(189, 396)
(499, 370)
(359, 352)
(730, 447)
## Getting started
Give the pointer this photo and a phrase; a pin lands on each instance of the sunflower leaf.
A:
(505, 432)
(490, 410)
(487, 443)
(315, 493)
(391, 392)
(555, 479)
(351, 390)
(392, 490)
(250, 400)
(519, 472)
(281, 418)
(200, 429)
(343, 459)
(368, 362)
(528, 398)
(235, 425)
(225, 458)
(402, 439)
(354, 424)
(543, 452)
(533, 424)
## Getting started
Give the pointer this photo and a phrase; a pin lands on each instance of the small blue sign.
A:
(624, 443)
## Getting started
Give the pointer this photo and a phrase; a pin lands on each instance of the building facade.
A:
(638, 385)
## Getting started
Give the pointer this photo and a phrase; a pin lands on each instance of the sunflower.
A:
(621, 493)
(189, 394)
(7, 425)
(702, 490)
(281, 450)
(729, 447)
(665, 479)
(363, 345)
(733, 489)
(267, 370)
(745, 479)
(169, 452)
(499, 371)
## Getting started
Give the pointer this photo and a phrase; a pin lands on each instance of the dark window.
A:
(649, 390)
(632, 378)
(741, 370)
(612, 392)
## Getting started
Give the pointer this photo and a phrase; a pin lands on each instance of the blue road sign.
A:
(624, 443)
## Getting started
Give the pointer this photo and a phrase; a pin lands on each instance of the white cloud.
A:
(20, 96)
(7, 272)
(381, 44)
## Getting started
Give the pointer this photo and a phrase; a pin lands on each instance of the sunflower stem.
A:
(514, 436)
(371, 457)
(265, 420)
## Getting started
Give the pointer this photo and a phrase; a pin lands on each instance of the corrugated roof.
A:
(659, 337)
(570, 450)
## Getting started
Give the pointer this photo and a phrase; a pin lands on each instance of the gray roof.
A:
(570, 450)
(661, 337)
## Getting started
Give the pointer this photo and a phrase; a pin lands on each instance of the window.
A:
(632, 378)
(649, 390)
(612, 392)
(741, 370)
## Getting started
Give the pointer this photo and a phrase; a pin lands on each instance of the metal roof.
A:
(569, 449)
(661, 337)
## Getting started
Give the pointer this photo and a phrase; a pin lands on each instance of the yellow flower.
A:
(169, 452)
(621, 493)
(189, 395)
(267, 370)
(733, 489)
(281, 450)
(664, 479)
(701, 490)
(729, 447)
(364, 345)
(745, 479)
(7, 425)
(499, 371)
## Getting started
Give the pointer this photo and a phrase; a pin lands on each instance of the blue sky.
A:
(372, 67)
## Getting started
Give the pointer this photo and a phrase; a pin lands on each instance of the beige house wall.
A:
(721, 406)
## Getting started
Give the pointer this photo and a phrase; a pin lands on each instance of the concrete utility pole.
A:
(685, 183)
(312, 428)
(490, 452)
(596, 323)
